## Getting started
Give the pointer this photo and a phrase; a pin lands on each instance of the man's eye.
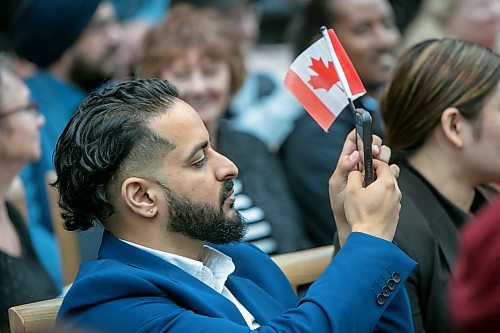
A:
(210, 71)
(201, 162)
(389, 23)
(181, 75)
(361, 29)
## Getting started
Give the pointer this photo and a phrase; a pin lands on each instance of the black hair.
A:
(305, 28)
(107, 140)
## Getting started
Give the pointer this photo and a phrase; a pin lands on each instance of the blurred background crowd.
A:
(435, 101)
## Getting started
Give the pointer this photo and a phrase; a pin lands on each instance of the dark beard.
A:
(86, 77)
(203, 221)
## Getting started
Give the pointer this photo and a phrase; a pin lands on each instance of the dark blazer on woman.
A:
(428, 233)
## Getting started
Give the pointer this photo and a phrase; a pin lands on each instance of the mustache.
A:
(227, 186)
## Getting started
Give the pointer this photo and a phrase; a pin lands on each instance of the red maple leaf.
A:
(326, 78)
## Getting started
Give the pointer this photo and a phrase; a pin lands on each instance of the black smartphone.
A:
(364, 144)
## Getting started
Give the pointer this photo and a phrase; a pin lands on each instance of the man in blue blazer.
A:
(138, 159)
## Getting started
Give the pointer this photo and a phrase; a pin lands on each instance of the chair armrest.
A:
(34, 317)
(304, 267)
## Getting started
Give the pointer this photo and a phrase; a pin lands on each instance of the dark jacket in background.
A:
(309, 157)
(22, 279)
(428, 231)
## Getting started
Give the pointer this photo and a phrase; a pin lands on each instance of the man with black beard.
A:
(73, 44)
(138, 160)
(202, 221)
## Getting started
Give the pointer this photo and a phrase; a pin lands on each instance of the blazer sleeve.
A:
(349, 290)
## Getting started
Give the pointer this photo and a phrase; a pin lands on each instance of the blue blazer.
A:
(129, 290)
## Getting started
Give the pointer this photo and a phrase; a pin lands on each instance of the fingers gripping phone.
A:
(364, 144)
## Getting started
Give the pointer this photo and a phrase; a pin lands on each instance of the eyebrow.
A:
(196, 148)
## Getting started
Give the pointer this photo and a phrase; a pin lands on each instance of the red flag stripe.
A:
(353, 79)
(313, 105)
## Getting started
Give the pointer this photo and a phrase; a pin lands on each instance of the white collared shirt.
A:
(213, 269)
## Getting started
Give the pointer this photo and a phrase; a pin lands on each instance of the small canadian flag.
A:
(312, 79)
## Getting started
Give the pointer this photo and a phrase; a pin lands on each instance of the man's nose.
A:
(197, 82)
(225, 168)
(114, 34)
(40, 120)
(387, 38)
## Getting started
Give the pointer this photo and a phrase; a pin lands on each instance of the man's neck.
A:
(60, 70)
(182, 246)
(171, 242)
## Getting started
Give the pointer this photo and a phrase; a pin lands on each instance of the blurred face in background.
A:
(246, 20)
(95, 54)
(477, 21)
(20, 122)
(203, 83)
(367, 30)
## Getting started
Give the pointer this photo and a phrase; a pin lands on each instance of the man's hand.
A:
(338, 182)
(375, 209)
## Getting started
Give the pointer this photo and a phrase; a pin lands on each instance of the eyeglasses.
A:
(31, 108)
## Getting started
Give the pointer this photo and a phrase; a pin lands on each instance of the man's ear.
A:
(140, 197)
(453, 125)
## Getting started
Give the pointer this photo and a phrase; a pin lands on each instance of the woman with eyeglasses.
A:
(22, 277)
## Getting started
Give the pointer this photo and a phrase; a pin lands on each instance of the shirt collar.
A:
(213, 267)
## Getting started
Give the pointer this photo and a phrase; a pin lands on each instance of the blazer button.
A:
(396, 277)
(380, 299)
(391, 284)
(386, 291)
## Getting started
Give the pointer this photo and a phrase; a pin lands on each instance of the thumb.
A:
(348, 163)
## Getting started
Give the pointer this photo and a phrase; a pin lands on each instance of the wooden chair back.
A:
(304, 267)
(34, 317)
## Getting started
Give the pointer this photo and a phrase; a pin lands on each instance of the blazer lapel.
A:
(202, 299)
(259, 303)
(443, 228)
(179, 286)
(447, 236)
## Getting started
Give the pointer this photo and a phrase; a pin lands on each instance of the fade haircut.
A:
(108, 140)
